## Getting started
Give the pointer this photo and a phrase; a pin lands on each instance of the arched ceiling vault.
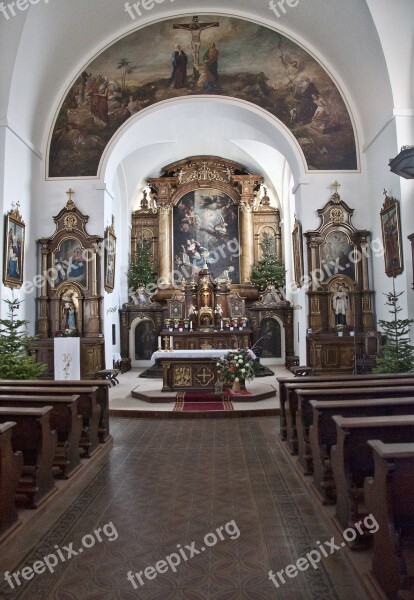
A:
(45, 47)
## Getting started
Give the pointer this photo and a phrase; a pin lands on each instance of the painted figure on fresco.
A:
(210, 59)
(179, 74)
(195, 28)
(99, 104)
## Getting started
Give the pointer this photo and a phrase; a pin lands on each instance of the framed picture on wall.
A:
(110, 257)
(297, 253)
(13, 249)
(391, 236)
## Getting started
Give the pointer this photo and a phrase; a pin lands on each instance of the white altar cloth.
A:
(195, 354)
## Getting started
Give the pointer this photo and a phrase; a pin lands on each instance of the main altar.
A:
(204, 220)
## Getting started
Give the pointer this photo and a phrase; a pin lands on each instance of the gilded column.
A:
(165, 188)
(313, 246)
(364, 259)
(247, 242)
(165, 242)
(247, 197)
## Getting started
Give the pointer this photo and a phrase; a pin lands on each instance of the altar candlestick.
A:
(159, 343)
(191, 326)
(171, 343)
(221, 325)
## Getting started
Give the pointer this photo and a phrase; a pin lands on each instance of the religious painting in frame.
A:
(70, 262)
(391, 236)
(297, 253)
(14, 249)
(206, 228)
(109, 258)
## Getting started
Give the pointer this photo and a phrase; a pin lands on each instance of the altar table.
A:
(189, 369)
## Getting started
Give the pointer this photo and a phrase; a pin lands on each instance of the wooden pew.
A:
(335, 380)
(102, 396)
(34, 438)
(352, 458)
(11, 465)
(304, 412)
(88, 408)
(325, 391)
(389, 496)
(322, 433)
(64, 419)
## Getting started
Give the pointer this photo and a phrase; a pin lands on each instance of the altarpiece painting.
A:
(204, 222)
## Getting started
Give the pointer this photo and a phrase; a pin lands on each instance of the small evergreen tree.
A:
(269, 270)
(141, 271)
(397, 354)
(15, 362)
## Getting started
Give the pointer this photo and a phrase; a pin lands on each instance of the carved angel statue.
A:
(192, 311)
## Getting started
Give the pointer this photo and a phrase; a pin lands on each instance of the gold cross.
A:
(70, 193)
(336, 185)
(205, 374)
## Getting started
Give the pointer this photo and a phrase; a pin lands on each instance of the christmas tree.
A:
(269, 270)
(141, 271)
(397, 354)
(15, 362)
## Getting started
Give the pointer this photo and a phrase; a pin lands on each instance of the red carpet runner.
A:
(201, 401)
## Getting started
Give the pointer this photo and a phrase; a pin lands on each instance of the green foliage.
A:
(397, 355)
(141, 271)
(15, 362)
(269, 270)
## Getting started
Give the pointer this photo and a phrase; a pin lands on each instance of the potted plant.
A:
(340, 329)
(236, 367)
(186, 323)
(351, 331)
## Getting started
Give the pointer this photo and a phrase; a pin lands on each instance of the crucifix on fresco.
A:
(195, 28)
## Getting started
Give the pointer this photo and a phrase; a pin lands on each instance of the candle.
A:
(191, 326)
(159, 342)
(221, 324)
(171, 342)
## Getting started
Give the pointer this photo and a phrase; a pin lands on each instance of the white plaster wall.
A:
(18, 183)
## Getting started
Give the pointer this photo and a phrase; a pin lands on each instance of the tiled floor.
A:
(121, 399)
(164, 484)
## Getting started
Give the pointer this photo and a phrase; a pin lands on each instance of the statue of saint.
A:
(340, 301)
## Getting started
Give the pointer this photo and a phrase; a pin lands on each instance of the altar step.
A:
(156, 396)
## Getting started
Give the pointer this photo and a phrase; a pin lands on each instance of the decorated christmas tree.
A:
(397, 354)
(15, 362)
(141, 270)
(269, 270)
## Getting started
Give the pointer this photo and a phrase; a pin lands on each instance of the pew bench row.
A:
(46, 428)
(355, 436)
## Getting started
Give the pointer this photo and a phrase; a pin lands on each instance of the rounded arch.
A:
(142, 341)
(271, 337)
(249, 132)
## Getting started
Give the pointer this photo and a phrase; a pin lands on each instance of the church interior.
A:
(208, 237)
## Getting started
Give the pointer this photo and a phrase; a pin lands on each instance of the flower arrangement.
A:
(236, 365)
